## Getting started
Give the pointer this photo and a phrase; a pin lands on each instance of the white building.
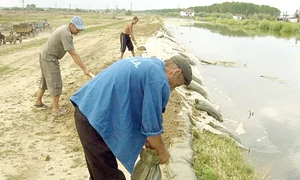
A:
(187, 13)
(237, 17)
(293, 20)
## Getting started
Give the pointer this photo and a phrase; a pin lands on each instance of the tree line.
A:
(224, 8)
(238, 8)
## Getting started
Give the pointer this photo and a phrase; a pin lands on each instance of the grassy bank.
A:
(271, 26)
(216, 158)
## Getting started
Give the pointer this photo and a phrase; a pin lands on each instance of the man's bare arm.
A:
(78, 61)
(156, 143)
(131, 33)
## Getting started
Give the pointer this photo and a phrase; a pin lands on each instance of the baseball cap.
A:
(183, 64)
(77, 21)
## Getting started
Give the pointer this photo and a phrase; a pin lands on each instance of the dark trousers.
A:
(101, 162)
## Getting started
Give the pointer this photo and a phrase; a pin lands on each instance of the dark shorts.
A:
(125, 40)
(100, 160)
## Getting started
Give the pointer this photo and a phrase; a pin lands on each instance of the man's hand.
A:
(156, 143)
(85, 71)
(164, 157)
(147, 144)
(135, 43)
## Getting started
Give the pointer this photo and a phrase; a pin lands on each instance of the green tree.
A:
(30, 6)
(128, 13)
(238, 8)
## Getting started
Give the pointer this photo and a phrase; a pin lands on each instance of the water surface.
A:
(267, 84)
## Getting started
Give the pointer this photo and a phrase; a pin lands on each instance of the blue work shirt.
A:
(124, 103)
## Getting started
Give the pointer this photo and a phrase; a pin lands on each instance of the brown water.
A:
(268, 85)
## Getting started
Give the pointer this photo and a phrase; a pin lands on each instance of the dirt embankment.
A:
(34, 145)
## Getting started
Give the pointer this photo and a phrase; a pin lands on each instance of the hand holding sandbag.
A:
(147, 168)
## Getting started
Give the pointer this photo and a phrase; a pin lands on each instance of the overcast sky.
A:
(283, 5)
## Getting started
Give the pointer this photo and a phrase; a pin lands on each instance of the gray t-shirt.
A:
(59, 42)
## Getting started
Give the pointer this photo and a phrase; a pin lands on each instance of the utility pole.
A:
(131, 7)
(55, 5)
(23, 2)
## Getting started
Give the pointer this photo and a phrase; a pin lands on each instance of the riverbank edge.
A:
(274, 28)
(182, 150)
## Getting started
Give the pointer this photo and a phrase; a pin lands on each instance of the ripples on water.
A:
(273, 132)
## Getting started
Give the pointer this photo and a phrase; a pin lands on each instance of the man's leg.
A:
(130, 47)
(132, 52)
(55, 103)
(101, 162)
(123, 45)
(40, 94)
(122, 54)
(42, 87)
(54, 83)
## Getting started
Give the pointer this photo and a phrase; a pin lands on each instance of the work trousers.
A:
(101, 162)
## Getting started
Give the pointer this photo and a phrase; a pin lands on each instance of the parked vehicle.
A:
(43, 25)
(12, 38)
(2, 38)
(26, 29)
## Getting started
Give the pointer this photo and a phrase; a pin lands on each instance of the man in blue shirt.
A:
(121, 108)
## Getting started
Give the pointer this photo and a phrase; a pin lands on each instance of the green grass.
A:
(288, 28)
(217, 158)
(265, 25)
(284, 29)
(277, 26)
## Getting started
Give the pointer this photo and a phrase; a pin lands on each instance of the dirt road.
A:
(34, 144)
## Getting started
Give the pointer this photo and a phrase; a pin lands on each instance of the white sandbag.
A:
(199, 102)
(203, 117)
(147, 168)
(198, 78)
(180, 164)
(159, 35)
(205, 127)
(205, 106)
(198, 88)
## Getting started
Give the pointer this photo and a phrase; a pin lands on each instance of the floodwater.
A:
(260, 99)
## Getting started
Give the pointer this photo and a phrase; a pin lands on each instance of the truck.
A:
(26, 29)
(43, 25)
(12, 38)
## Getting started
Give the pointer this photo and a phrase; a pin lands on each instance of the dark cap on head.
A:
(186, 68)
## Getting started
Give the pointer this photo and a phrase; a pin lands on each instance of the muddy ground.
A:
(34, 144)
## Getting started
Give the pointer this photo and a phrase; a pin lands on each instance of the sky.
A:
(284, 5)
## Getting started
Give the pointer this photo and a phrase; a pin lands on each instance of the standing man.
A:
(121, 108)
(126, 36)
(59, 42)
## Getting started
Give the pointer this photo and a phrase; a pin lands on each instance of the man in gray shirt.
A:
(58, 44)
